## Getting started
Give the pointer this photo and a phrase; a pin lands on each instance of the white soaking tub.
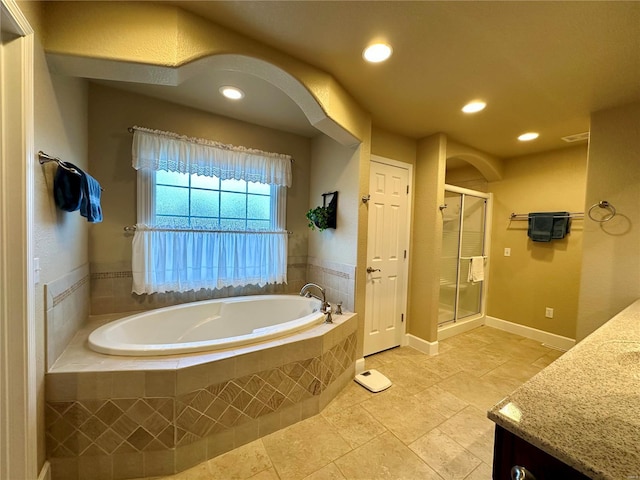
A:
(207, 325)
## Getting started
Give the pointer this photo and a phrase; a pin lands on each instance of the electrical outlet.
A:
(507, 252)
(548, 312)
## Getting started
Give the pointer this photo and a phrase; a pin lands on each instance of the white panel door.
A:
(386, 257)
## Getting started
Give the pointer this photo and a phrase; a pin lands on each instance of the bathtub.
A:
(207, 325)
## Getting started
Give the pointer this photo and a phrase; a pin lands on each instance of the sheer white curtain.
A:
(166, 259)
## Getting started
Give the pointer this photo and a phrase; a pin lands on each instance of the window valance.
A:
(158, 150)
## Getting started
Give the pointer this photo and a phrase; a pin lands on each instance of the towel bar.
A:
(525, 216)
(46, 158)
(133, 228)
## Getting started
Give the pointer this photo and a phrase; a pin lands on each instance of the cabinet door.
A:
(511, 450)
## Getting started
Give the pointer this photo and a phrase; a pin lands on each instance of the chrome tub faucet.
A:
(326, 308)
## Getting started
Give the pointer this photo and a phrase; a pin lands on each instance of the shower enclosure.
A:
(464, 235)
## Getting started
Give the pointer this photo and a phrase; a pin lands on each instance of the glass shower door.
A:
(472, 244)
(463, 237)
(450, 249)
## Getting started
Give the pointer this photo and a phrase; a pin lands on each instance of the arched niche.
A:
(490, 167)
(113, 70)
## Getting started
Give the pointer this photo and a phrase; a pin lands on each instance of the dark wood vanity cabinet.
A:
(510, 450)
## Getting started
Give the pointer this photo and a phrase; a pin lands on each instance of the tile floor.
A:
(431, 424)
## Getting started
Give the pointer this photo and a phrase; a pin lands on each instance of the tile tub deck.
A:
(125, 417)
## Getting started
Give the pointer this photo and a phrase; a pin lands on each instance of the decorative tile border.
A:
(83, 428)
(104, 275)
(69, 291)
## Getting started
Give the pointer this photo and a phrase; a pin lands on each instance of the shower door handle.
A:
(371, 270)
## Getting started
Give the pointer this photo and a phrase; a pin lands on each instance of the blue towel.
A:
(67, 188)
(547, 226)
(540, 227)
(561, 224)
(90, 204)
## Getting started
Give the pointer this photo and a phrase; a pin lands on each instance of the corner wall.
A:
(610, 278)
(422, 316)
(537, 275)
(333, 252)
(59, 238)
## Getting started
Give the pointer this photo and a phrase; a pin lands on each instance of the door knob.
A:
(371, 270)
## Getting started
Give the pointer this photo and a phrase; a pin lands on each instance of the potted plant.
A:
(325, 216)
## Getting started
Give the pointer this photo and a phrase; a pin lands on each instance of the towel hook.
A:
(602, 204)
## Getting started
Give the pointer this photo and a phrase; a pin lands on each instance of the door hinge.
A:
(402, 317)
(407, 189)
(405, 254)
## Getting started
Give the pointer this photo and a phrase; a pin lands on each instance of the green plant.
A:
(318, 217)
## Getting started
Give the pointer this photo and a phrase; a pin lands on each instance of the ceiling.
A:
(540, 66)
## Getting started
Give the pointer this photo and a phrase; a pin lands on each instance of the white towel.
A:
(476, 269)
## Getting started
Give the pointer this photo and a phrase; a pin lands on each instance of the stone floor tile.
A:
(304, 447)
(409, 375)
(448, 458)
(328, 472)
(483, 472)
(473, 430)
(355, 425)
(384, 457)
(352, 394)
(242, 462)
(269, 474)
(406, 416)
(441, 401)
(472, 389)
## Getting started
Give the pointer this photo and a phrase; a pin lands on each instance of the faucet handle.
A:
(338, 308)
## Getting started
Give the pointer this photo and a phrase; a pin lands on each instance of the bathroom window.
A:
(194, 201)
(209, 215)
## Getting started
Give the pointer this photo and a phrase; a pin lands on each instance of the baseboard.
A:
(452, 329)
(549, 339)
(359, 365)
(45, 473)
(430, 348)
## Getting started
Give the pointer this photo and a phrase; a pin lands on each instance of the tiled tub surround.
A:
(583, 408)
(338, 279)
(67, 309)
(111, 289)
(127, 417)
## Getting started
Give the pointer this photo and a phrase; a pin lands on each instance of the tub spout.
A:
(304, 292)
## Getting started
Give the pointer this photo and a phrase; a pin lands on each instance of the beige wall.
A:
(611, 253)
(391, 145)
(537, 275)
(60, 238)
(111, 112)
(335, 168)
(422, 316)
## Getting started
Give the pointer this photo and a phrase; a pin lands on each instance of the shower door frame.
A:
(486, 248)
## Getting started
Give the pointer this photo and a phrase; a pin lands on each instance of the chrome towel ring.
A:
(602, 204)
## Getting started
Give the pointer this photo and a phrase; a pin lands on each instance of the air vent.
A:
(578, 137)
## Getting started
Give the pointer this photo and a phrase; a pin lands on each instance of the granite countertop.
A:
(584, 409)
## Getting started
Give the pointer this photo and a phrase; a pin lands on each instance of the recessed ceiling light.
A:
(473, 107)
(525, 137)
(232, 93)
(378, 52)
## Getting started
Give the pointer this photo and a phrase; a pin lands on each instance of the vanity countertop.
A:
(584, 409)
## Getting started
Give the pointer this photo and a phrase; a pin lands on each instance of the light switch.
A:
(507, 252)
(36, 270)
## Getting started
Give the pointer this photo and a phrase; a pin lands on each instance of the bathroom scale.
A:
(373, 380)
